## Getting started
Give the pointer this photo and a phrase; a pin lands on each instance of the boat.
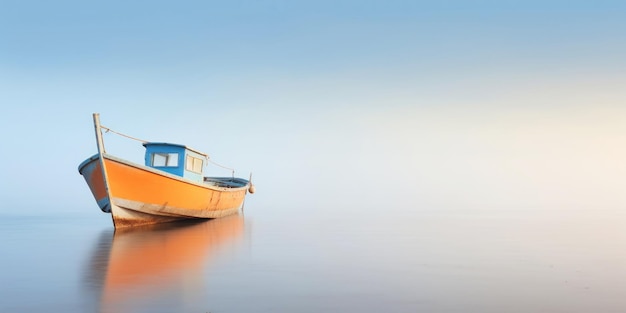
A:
(169, 186)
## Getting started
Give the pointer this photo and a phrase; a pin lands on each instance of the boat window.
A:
(193, 164)
(165, 159)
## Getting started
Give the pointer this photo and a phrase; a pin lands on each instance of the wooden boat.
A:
(169, 186)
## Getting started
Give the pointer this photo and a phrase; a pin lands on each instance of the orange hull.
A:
(139, 195)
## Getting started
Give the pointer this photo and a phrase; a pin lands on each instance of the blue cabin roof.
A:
(175, 159)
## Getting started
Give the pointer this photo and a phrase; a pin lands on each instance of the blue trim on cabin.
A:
(165, 152)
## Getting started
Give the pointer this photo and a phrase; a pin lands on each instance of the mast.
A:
(96, 125)
(101, 151)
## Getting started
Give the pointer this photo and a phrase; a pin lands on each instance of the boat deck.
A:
(226, 182)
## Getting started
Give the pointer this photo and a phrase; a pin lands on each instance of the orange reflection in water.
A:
(162, 259)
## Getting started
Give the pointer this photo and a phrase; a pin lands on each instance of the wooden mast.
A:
(101, 151)
(96, 125)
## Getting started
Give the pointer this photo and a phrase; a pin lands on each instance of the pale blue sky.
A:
(323, 90)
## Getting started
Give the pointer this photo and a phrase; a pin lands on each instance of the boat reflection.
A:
(161, 265)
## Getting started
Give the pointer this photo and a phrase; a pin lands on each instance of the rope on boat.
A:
(232, 170)
(110, 130)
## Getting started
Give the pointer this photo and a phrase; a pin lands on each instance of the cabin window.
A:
(165, 159)
(193, 164)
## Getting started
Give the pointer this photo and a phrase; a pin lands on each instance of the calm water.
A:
(307, 261)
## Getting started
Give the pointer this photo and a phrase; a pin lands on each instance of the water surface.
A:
(491, 260)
